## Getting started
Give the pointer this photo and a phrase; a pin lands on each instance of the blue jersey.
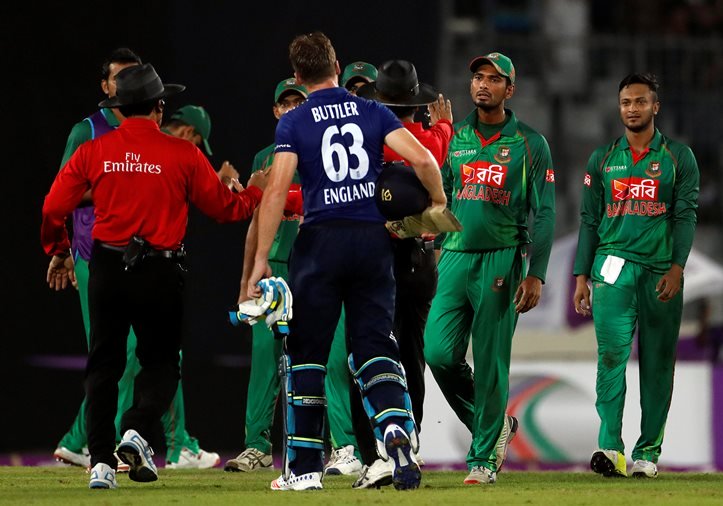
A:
(339, 140)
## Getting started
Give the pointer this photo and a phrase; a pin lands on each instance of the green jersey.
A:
(494, 184)
(640, 207)
(82, 132)
(289, 227)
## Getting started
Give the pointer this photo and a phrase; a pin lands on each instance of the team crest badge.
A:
(498, 284)
(653, 169)
(503, 154)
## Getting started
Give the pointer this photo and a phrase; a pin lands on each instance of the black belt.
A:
(175, 254)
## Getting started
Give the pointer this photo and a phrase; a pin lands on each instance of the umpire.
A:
(142, 181)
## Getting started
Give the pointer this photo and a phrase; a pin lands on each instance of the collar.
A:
(509, 130)
(413, 126)
(139, 123)
(654, 145)
(109, 116)
(328, 92)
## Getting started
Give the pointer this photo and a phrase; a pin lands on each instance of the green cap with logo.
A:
(198, 118)
(288, 85)
(359, 70)
(498, 61)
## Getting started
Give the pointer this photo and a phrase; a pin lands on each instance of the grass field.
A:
(66, 485)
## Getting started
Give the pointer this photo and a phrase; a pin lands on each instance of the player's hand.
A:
(440, 109)
(61, 272)
(670, 284)
(243, 294)
(261, 270)
(259, 178)
(581, 298)
(227, 174)
(528, 294)
(237, 186)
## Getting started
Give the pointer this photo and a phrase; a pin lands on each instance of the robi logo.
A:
(634, 188)
(484, 173)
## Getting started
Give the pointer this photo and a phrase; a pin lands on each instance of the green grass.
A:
(65, 485)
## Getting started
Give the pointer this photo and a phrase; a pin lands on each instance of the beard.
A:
(487, 106)
(645, 122)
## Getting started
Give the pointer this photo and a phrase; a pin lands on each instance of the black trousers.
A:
(415, 271)
(148, 297)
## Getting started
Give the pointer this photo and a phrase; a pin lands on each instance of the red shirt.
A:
(435, 139)
(142, 181)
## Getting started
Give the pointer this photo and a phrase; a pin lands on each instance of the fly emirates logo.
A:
(131, 163)
(635, 195)
(484, 181)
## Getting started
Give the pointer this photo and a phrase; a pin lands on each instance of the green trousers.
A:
(174, 420)
(475, 299)
(617, 309)
(264, 385)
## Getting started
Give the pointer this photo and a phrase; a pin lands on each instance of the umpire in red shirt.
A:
(142, 181)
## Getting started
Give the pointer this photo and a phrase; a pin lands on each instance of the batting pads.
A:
(274, 306)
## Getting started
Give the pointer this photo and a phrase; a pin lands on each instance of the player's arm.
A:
(63, 197)
(270, 213)
(588, 239)
(685, 205)
(249, 255)
(421, 160)
(541, 201)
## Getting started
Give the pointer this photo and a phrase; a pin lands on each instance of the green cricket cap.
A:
(198, 118)
(288, 85)
(499, 61)
(359, 70)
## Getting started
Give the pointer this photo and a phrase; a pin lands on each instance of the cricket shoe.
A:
(406, 474)
(191, 460)
(509, 429)
(609, 463)
(249, 460)
(644, 469)
(379, 474)
(102, 476)
(121, 467)
(479, 475)
(308, 481)
(343, 462)
(134, 451)
(63, 454)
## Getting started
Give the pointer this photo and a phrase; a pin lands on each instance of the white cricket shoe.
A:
(644, 469)
(343, 462)
(249, 460)
(190, 460)
(509, 429)
(406, 474)
(63, 454)
(102, 476)
(134, 451)
(379, 474)
(479, 475)
(308, 481)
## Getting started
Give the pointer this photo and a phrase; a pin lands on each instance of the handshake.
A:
(274, 306)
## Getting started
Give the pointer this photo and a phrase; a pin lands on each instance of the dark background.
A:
(570, 57)
(230, 57)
